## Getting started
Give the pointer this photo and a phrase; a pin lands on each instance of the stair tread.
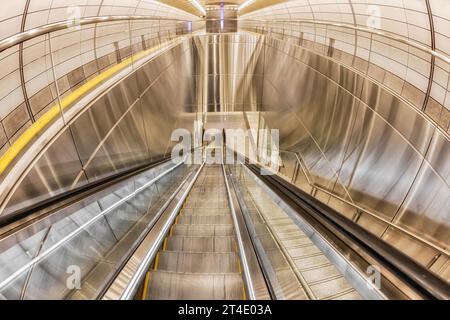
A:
(198, 262)
(200, 244)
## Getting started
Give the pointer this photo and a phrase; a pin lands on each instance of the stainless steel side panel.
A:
(129, 125)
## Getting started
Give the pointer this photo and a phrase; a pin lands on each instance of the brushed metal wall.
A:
(129, 125)
(229, 73)
(364, 144)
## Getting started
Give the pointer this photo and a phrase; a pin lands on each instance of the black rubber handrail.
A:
(415, 275)
(80, 192)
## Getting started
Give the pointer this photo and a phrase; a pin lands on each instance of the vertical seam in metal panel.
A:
(312, 138)
(433, 58)
(106, 220)
(21, 71)
(314, 19)
(356, 32)
(58, 94)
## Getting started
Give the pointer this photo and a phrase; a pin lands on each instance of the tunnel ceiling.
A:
(25, 15)
(424, 21)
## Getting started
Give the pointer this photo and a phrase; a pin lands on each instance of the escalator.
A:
(73, 246)
(199, 258)
(211, 231)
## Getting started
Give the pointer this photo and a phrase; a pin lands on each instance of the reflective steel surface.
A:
(344, 138)
(90, 239)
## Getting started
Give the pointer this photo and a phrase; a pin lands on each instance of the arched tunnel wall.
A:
(402, 44)
(358, 140)
(116, 132)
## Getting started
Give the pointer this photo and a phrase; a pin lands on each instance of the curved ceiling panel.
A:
(22, 15)
(425, 21)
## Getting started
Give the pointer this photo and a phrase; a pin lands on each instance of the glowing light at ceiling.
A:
(246, 4)
(196, 4)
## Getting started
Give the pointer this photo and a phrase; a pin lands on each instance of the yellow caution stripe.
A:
(146, 283)
(156, 262)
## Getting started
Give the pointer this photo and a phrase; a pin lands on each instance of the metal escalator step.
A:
(311, 262)
(211, 219)
(184, 286)
(200, 244)
(305, 251)
(194, 262)
(208, 193)
(208, 190)
(202, 230)
(291, 288)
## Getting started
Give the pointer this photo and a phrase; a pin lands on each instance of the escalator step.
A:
(165, 285)
(200, 244)
(211, 219)
(203, 230)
